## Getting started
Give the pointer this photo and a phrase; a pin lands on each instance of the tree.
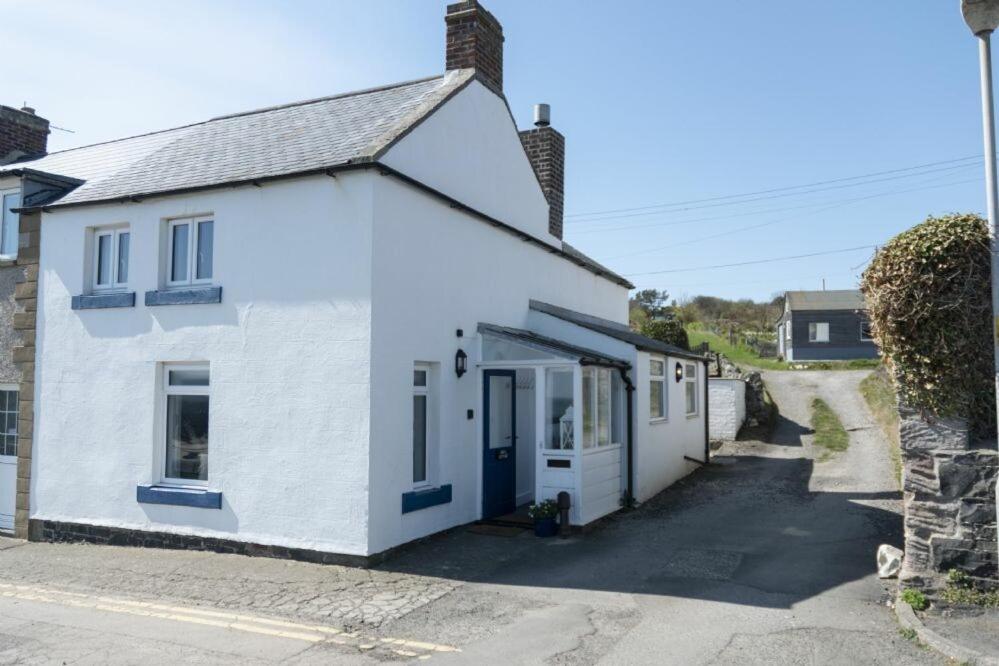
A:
(670, 331)
(652, 302)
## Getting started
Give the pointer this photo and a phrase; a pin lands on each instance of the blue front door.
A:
(499, 457)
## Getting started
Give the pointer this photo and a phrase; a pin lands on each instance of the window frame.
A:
(427, 392)
(595, 373)
(4, 193)
(167, 390)
(15, 389)
(664, 395)
(690, 379)
(813, 328)
(193, 241)
(115, 232)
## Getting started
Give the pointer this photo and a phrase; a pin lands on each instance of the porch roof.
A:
(614, 330)
(559, 347)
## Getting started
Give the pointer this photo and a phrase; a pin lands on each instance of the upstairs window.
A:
(111, 248)
(818, 331)
(9, 231)
(191, 244)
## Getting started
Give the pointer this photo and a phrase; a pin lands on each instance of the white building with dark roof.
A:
(321, 329)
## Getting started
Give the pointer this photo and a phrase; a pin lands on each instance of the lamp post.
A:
(982, 16)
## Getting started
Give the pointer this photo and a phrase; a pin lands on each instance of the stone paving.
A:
(343, 596)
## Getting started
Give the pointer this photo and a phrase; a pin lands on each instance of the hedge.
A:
(671, 331)
(928, 294)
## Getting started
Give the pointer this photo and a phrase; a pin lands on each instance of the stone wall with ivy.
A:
(928, 297)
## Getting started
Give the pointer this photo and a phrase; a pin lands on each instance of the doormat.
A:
(496, 530)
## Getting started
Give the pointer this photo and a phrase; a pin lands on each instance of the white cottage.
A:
(329, 328)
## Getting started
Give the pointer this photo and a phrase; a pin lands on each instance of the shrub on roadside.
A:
(670, 331)
(928, 296)
(916, 599)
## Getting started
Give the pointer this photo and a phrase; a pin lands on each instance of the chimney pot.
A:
(28, 109)
(542, 115)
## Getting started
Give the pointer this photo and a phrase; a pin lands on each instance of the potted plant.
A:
(544, 514)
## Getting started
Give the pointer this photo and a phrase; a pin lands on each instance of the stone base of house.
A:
(949, 485)
(60, 532)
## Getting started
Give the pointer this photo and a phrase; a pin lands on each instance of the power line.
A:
(776, 189)
(748, 263)
(784, 219)
(775, 196)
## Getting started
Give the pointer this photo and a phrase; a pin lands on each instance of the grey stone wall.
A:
(10, 275)
(948, 492)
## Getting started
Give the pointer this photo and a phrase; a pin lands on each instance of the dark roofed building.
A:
(824, 326)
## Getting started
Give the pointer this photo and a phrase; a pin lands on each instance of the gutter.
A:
(343, 168)
(629, 388)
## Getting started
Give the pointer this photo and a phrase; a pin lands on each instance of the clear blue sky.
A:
(661, 101)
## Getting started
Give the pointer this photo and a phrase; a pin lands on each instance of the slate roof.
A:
(559, 347)
(278, 141)
(836, 299)
(614, 330)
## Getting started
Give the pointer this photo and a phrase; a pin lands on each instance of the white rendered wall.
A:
(289, 354)
(727, 401)
(436, 270)
(469, 149)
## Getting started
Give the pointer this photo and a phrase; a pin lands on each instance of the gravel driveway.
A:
(765, 556)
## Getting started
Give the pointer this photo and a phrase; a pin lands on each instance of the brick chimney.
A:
(21, 133)
(545, 148)
(475, 41)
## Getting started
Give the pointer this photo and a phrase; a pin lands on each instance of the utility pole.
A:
(982, 16)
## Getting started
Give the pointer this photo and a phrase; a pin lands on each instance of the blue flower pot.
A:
(545, 527)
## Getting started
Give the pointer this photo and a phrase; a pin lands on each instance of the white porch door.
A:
(8, 457)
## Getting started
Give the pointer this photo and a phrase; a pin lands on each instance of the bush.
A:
(545, 509)
(916, 599)
(670, 331)
(928, 294)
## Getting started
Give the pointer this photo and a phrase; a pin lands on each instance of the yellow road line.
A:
(236, 621)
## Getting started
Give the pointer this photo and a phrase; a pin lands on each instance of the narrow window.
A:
(690, 388)
(111, 247)
(8, 234)
(596, 407)
(865, 330)
(657, 389)
(187, 393)
(8, 421)
(191, 251)
(818, 331)
(421, 430)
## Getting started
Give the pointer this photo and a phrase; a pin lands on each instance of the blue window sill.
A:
(202, 499)
(124, 299)
(424, 499)
(192, 296)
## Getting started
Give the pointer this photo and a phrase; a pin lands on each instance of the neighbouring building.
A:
(23, 135)
(824, 326)
(327, 328)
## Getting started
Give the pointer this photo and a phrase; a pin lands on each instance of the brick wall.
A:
(475, 41)
(726, 408)
(545, 148)
(21, 133)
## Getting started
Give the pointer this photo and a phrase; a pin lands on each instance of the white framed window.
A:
(818, 331)
(421, 423)
(9, 223)
(690, 388)
(865, 330)
(658, 403)
(597, 395)
(190, 251)
(186, 409)
(110, 261)
(8, 420)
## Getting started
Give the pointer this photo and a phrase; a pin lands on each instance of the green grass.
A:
(879, 394)
(829, 431)
(742, 355)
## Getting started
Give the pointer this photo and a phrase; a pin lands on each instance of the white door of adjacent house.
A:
(8, 456)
